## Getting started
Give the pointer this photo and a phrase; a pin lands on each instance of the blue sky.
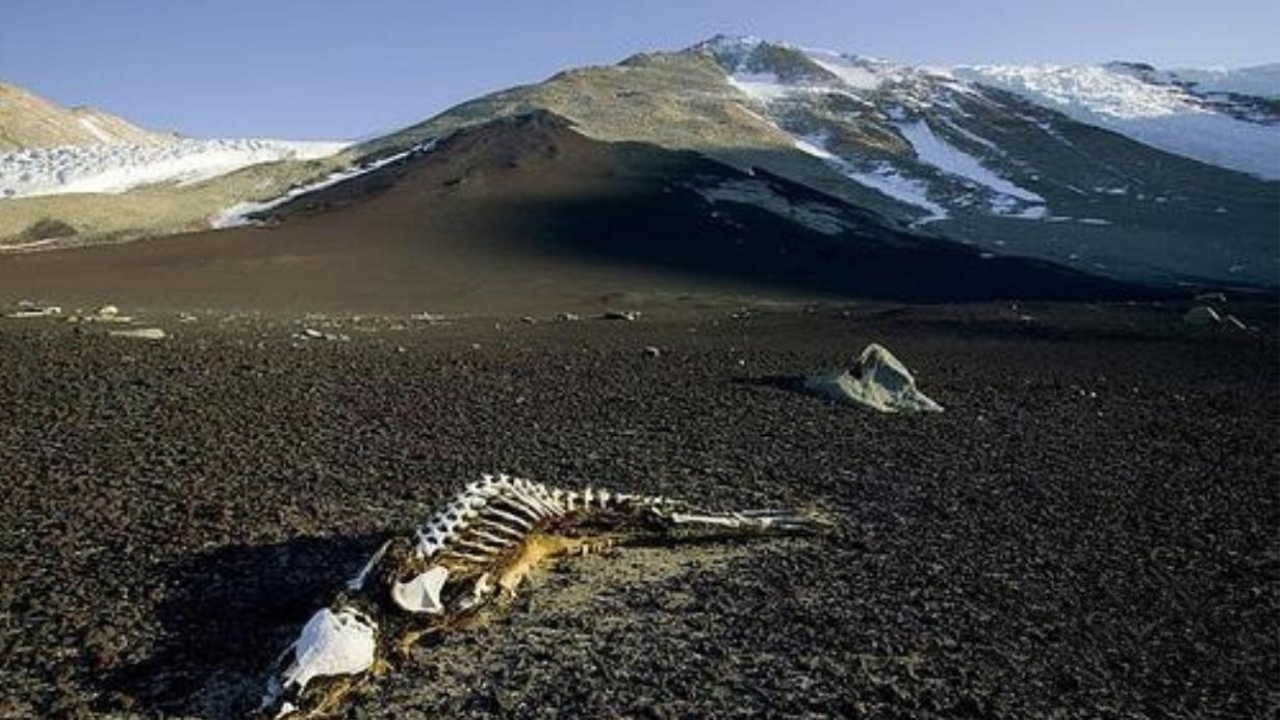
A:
(321, 69)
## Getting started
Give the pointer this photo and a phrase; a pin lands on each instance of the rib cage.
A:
(494, 515)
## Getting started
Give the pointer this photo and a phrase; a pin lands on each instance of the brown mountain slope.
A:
(525, 214)
(28, 121)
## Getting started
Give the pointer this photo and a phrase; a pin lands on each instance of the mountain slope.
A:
(80, 176)
(29, 121)
(925, 147)
(525, 214)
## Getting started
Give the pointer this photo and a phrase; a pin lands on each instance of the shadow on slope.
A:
(633, 205)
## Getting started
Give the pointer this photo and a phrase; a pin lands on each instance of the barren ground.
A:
(1089, 530)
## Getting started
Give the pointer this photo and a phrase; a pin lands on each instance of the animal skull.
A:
(341, 643)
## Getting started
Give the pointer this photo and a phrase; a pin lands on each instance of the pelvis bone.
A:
(421, 594)
(476, 549)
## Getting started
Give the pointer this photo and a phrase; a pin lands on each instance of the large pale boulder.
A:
(877, 380)
(1202, 316)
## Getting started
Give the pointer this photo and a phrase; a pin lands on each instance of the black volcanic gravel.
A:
(1089, 530)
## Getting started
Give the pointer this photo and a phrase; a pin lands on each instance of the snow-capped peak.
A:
(1154, 108)
(727, 45)
(1198, 115)
(1261, 81)
(1096, 90)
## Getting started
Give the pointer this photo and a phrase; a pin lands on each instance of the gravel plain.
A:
(1088, 530)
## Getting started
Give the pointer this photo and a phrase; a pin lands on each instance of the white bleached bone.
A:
(488, 518)
(341, 643)
(357, 582)
(746, 520)
(422, 594)
(476, 548)
(480, 592)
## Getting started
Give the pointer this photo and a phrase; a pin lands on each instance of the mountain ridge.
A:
(923, 148)
(30, 121)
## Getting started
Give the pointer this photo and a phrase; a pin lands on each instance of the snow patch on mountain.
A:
(1164, 116)
(882, 177)
(1260, 81)
(1095, 90)
(933, 150)
(118, 168)
(242, 213)
(885, 179)
(88, 124)
(857, 75)
(764, 87)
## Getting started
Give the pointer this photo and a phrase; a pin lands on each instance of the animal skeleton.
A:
(475, 550)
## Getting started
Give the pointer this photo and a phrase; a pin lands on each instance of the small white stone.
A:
(31, 311)
(141, 333)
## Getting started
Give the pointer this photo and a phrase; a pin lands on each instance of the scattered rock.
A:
(150, 333)
(567, 317)
(28, 309)
(528, 320)
(652, 351)
(628, 315)
(104, 314)
(429, 318)
(877, 380)
(47, 228)
(1202, 315)
(313, 334)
